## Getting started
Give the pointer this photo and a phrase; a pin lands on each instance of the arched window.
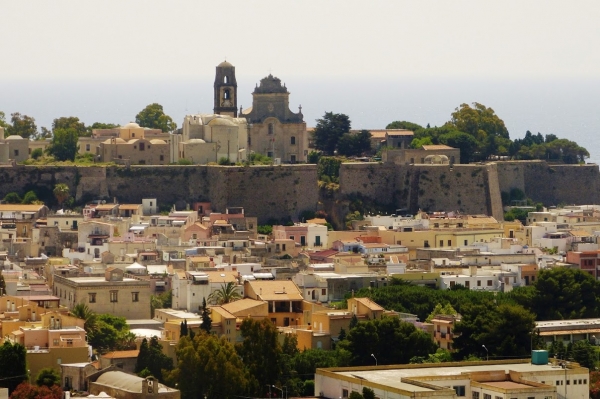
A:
(225, 79)
(293, 140)
(271, 128)
(226, 94)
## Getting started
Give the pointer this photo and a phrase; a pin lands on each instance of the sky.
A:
(536, 63)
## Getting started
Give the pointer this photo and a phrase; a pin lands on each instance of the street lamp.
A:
(373, 356)
(281, 390)
(487, 356)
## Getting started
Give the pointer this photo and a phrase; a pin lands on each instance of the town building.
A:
(527, 378)
(133, 147)
(119, 384)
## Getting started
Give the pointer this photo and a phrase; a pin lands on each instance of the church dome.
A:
(224, 64)
(117, 140)
(158, 141)
(221, 122)
(131, 125)
(197, 141)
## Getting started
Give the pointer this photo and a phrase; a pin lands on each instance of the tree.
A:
(22, 125)
(12, 198)
(3, 123)
(27, 391)
(61, 192)
(467, 144)
(13, 355)
(208, 366)
(152, 358)
(355, 144)
(48, 377)
(227, 293)
(69, 122)
(403, 125)
(64, 144)
(37, 153)
(154, 117)
(447, 309)
(479, 121)
(30, 198)
(329, 130)
(161, 301)
(183, 328)
(82, 311)
(100, 125)
(206, 320)
(261, 352)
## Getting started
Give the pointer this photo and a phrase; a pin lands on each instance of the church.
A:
(268, 127)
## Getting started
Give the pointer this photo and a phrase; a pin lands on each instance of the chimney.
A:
(13, 307)
(51, 327)
(33, 316)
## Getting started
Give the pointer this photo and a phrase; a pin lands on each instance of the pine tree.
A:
(206, 321)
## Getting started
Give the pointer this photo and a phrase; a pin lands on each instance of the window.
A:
(459, 389)
(344, 393)
(479, 283)
(487, 396)
(271, 128)
(441, 243)
(92, 297)
(114, 296)
(291, 237)
(426, 244)
(142, 146)
(225, 79)
(489, 283)
(449, 243)
(568, 382)
(135, 297)
(293, 140)
(323, 291)
(475, 395)
(162, 157)
(87, 147)
(17, 153)
(467, 284)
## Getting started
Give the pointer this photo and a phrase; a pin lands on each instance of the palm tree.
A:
(227, 293)
(82, 311)
(61, 192)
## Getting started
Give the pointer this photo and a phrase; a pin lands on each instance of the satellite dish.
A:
(103, 202)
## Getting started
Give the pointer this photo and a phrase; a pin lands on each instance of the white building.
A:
(519, 379)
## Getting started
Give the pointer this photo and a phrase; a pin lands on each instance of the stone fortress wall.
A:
(287, 190)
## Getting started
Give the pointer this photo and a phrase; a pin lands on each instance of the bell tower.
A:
(225, 90)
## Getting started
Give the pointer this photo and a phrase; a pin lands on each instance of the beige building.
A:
(134, 147)
(427, 154)
(113, 294)
(119, 384)
(13, 148)
(508, 379)
(276, 131)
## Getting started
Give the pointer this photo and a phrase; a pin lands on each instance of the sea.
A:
(567, 107)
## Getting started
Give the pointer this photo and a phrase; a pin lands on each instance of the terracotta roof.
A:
(129, 206)
(121, 354)
(20, 207)
(279, 290)
(106, 207)
(243, 304)
(369, 303)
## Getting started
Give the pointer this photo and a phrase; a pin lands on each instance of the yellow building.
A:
(132, 146)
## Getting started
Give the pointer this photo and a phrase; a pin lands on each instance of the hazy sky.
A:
(150, 38)
(536, 63)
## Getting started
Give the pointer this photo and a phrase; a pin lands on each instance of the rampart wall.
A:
(287, 190)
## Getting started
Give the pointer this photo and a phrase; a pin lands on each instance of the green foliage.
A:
(355, 144)
(99, 125)
(61, 192)
(206, 320)
(329, 130)
(584, 353)
(572, 293)
(70, 122)
(154, 117)
(516, 214)
(152, 358)
(504, 329)
(21, 125)
(259, 159)
(38, 152)
(110, 333)
(404, 125)
(224, 161)
(390, 340)
(64, 144)
(30, 198)
(329, 167)
(446, 309)
(208, 367)
(261, 352)
(184, 161)
(13, 355)
(225, 294)
(12, 198)
(368, 393)
(161, 301)
(265, 229)
(48, 377)
(355, 395)
(313, 157)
